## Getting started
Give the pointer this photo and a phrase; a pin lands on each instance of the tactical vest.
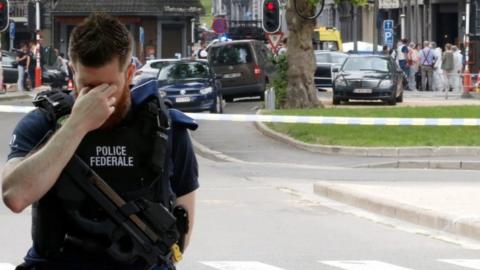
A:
(133, 158)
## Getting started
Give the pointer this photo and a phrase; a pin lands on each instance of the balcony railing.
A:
(18, 8)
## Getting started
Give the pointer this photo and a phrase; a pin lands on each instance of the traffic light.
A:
(4, 15)
(271, 16)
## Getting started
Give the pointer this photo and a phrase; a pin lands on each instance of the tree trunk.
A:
(301, 90)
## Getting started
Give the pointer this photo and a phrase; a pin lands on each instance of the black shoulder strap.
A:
(55, 103)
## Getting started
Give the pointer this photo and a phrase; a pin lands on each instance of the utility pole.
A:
(38, 68)
(375, 28)
(355, 29)
(467, 35)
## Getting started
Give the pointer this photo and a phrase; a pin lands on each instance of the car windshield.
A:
(233, 54)
(181, 71)
(335, 58)
(366, 64)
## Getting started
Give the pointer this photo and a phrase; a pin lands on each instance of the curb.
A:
(426, 151)
(462, 226)
(208, 153)
(426, 164)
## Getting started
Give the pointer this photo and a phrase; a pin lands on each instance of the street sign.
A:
(219, 25)
(12, 30)
(388, 24)
(274, 39)
(389, 4)
(388, 32)
(142, 35)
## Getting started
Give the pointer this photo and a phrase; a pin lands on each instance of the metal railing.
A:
(18, 8)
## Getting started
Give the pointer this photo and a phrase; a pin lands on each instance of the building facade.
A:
(162, 28)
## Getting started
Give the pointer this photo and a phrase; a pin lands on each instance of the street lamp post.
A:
(38, 69)
(467, 34)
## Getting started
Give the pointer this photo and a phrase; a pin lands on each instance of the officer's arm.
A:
(26, 181)
(188, 203)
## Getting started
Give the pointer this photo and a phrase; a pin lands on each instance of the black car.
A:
(190, 85)
(326, 61)
(368, 78)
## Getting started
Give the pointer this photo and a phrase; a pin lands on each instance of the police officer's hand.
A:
(94, 106)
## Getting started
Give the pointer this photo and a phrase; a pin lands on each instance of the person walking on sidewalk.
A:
(438, 76)
(448, 68)
(412, 62)
(458, 68)
(22, 63)
(402, 52)
(426, 66)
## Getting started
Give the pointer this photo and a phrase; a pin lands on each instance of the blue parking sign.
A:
(388, 32)
(12, 31)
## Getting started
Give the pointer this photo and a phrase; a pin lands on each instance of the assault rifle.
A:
(152, 228)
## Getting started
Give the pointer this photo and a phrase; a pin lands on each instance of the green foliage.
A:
(280, 82)
(208, 18)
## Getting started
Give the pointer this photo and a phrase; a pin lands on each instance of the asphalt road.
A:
(262, 215)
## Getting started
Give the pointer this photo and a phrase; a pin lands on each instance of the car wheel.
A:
(218, 106)
(391, 101)
(336, 101)
(400, 98)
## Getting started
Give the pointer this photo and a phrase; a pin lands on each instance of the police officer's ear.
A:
(131, 69)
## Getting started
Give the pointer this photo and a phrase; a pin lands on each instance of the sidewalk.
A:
(12, 93)
(453, 207)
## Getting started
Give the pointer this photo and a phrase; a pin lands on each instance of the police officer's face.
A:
(112, 74)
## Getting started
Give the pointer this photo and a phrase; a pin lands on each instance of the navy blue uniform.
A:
(183, 170)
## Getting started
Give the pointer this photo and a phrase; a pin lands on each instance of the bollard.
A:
(270, 99)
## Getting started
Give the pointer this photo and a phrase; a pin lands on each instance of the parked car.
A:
(368, 78)
(244, 66)
(326, 61)
(50, 75)
(190, 85)
(150, 69)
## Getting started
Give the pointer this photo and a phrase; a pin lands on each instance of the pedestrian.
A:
(142, 150)
(438, 76)
(33, 63)
(427, 62)
(22, 64)
(385, 50)
(412, 62)
(448, 68)
(458, 68)
(402, 52)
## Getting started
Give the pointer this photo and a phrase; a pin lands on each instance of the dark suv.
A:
(244, 67)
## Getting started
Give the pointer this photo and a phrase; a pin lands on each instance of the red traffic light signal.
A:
(4, 16)
(270, 6)
(271, 16)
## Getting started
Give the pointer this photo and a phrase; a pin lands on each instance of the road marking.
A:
(472, 264)
(16, 109)
(7, 266)
(237, 265)
(363, 265)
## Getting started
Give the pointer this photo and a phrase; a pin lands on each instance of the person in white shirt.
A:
(438, 76)
(458, 68)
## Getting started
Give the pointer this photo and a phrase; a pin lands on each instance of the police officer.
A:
(105, 129)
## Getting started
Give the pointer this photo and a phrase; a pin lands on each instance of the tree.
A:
(301, 90)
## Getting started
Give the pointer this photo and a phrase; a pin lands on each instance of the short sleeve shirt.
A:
(35, 125)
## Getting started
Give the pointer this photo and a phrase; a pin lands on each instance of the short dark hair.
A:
(98, 40)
